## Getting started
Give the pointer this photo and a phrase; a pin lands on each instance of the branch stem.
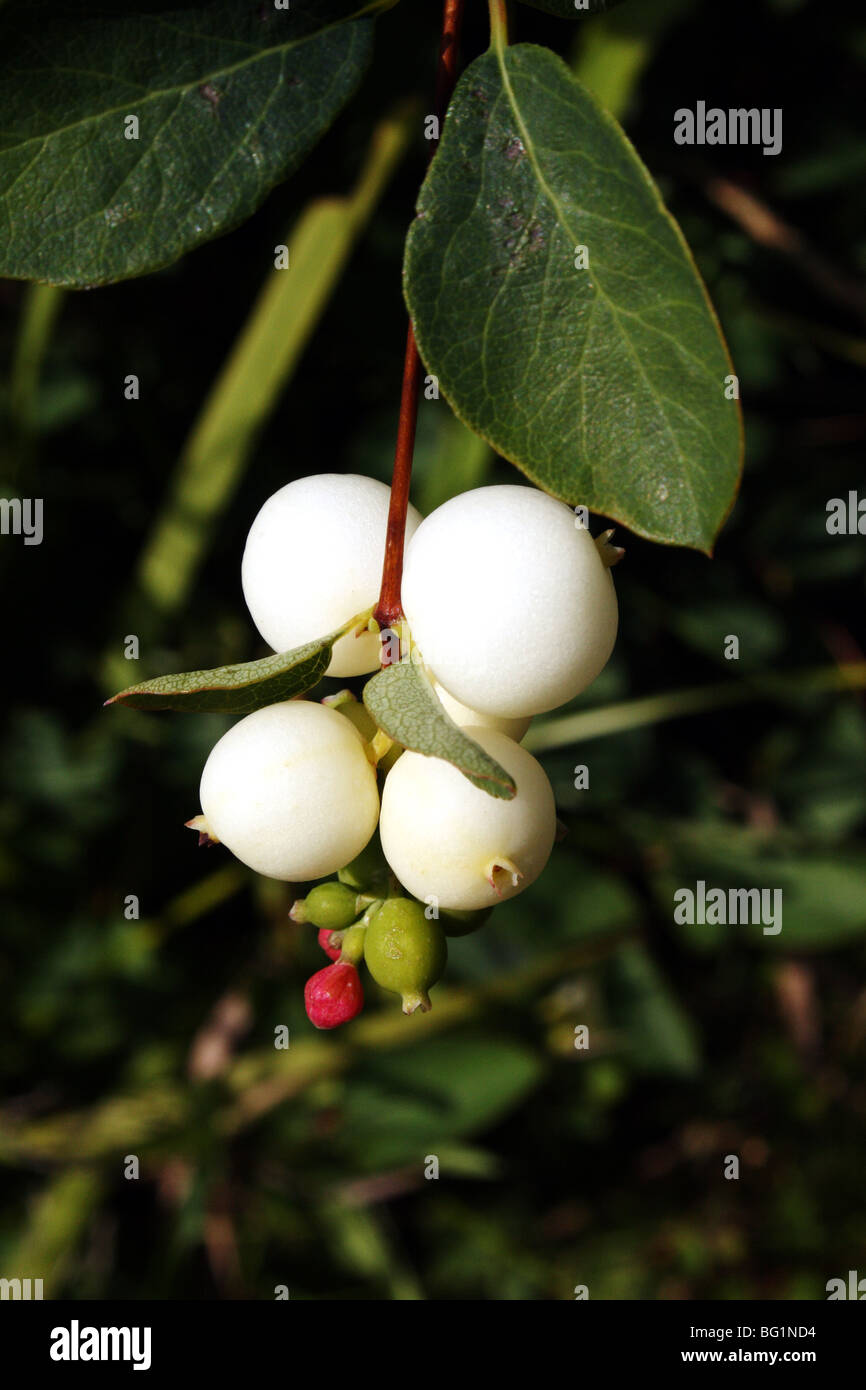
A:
(389, 609)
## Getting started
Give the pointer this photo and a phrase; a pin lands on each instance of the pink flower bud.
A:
(334, 995)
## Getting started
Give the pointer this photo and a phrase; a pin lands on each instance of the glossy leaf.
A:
(228, 99)
(241, 688)
(404, 705)
(605, 383)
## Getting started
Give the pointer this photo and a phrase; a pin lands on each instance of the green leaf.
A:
(822, 892)
(241, 688)
(605, 385)
(404, 705)
(659, 1036)
(228, 97)
(571, 9)
(412, 1101)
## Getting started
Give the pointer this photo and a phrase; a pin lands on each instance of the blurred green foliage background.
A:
(154, 1037)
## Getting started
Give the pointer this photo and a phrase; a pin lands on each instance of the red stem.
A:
(449, 48)
(389, 609)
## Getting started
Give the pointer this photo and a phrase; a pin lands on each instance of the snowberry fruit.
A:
(290, 791)
(405, 952)
(463, 715)
(509, 600)
(334, 995)
(313, 560)
(445, 837)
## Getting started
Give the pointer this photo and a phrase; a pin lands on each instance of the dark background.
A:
(153, 1037)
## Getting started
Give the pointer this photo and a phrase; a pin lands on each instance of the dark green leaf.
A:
(229, 98)
(238, 689)
(813, 898)
(605, 385)
(571, 9)
(705, 625)
(821, 771)
(658, 1034)
(404, 705)
(412, 1101)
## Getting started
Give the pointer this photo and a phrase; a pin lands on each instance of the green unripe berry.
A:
(458, 921)
(332, 905)
(405, 952)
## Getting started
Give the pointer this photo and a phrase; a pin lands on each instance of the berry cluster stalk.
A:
(498, 23)
(389, 609)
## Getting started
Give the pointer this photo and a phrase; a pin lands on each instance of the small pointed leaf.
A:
(241, 688)
(404, 704)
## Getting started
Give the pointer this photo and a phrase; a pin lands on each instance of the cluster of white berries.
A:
(513, 611)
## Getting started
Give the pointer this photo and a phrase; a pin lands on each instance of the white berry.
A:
(463, 715)
(509, 601)
(290, 791)
(313, 559)
(445, 838)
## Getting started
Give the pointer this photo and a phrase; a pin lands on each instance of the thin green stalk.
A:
(198, 900)
(54, 1229)
(498, 23)
(39, 313)
(654, 709)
